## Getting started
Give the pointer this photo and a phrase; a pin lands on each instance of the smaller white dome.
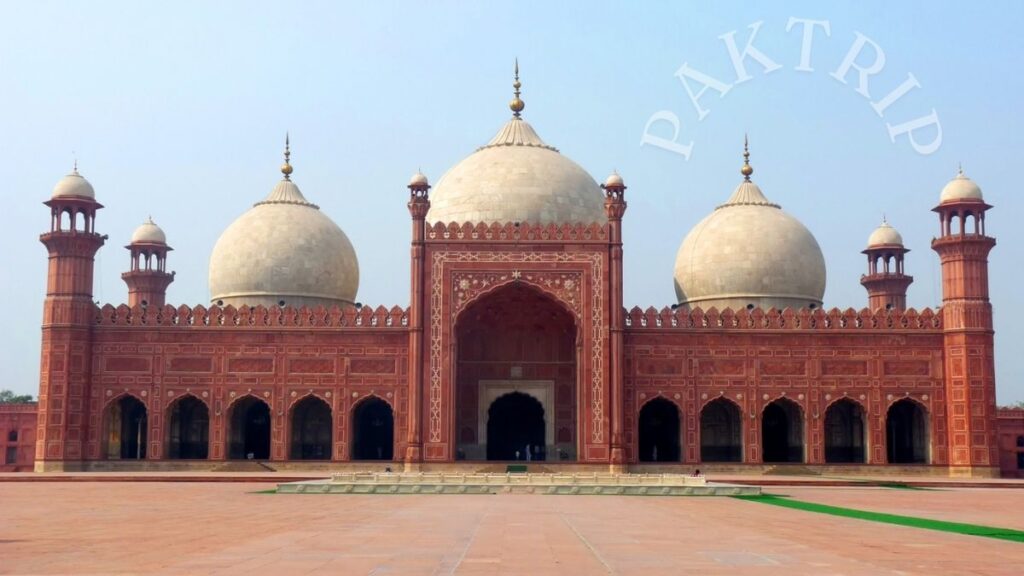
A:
(748, 253)
(418, 179)
(613, 180)
(885, 235)
(283, 249)
(149, 233)
(960, 188)
(73, 186)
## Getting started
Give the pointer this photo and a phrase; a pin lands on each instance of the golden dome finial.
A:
(516, 104)
(747, 170)
(286, 168)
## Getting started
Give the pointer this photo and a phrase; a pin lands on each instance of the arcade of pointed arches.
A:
(518, 414)
(782, 432)
(310, 426)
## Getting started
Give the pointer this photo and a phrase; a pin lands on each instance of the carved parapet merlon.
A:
(517, 232)
(253, 317)
(787, 319)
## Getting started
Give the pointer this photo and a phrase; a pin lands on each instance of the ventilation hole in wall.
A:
(812, 305)
(220, 302)
(280, 302)
(750, 306)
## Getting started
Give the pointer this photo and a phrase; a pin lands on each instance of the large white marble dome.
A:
(283, 251)
(516, 177)
(749, 253)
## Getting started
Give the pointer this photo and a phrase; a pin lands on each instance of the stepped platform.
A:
(585, 484)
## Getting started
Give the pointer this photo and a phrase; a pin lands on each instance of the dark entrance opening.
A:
(126, 429)
(782, 432)
(311, 430)
(721, 434)
(516, 332)
(188, 436)
(515, 425)
(250, 430)
(844, 432)
(373, 435)
(906, 433)
(658, 425)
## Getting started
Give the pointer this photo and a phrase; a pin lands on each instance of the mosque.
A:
(515, 344)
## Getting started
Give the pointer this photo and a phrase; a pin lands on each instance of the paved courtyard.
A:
(232, 528)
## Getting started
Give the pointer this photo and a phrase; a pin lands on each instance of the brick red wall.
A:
(19, 418)
(812, 358)
(1010, 427)
(221, 356)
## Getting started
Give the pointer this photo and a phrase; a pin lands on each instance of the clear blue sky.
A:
(179, 110)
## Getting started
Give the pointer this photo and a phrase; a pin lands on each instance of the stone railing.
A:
(532, 479)
(254, 317)
(787, 319)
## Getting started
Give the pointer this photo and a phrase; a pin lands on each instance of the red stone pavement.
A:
(228, 528)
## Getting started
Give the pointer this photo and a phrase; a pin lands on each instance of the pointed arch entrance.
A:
(658, 432)
(844, 432)
(188, 431)
(126, 427)
(516, 339)
(782, 432)
(515, 428)
(249, 432)
(721, 432)
(373, 430)
(906, 433)
(311, 426)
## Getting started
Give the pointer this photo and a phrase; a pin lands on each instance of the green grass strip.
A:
(911, 521)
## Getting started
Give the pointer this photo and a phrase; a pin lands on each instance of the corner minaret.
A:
(615, 207)
(68, 313)
(419, 205)
(886, 280)
(147, 279)
(969, 369)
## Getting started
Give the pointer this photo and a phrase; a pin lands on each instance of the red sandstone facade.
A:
(1010, 424)
(505, 309)
(17, 436)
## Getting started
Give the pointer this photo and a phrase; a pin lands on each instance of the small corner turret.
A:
(886, 280)
(147, 278)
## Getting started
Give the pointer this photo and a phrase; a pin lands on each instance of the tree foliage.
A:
(9, 397)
